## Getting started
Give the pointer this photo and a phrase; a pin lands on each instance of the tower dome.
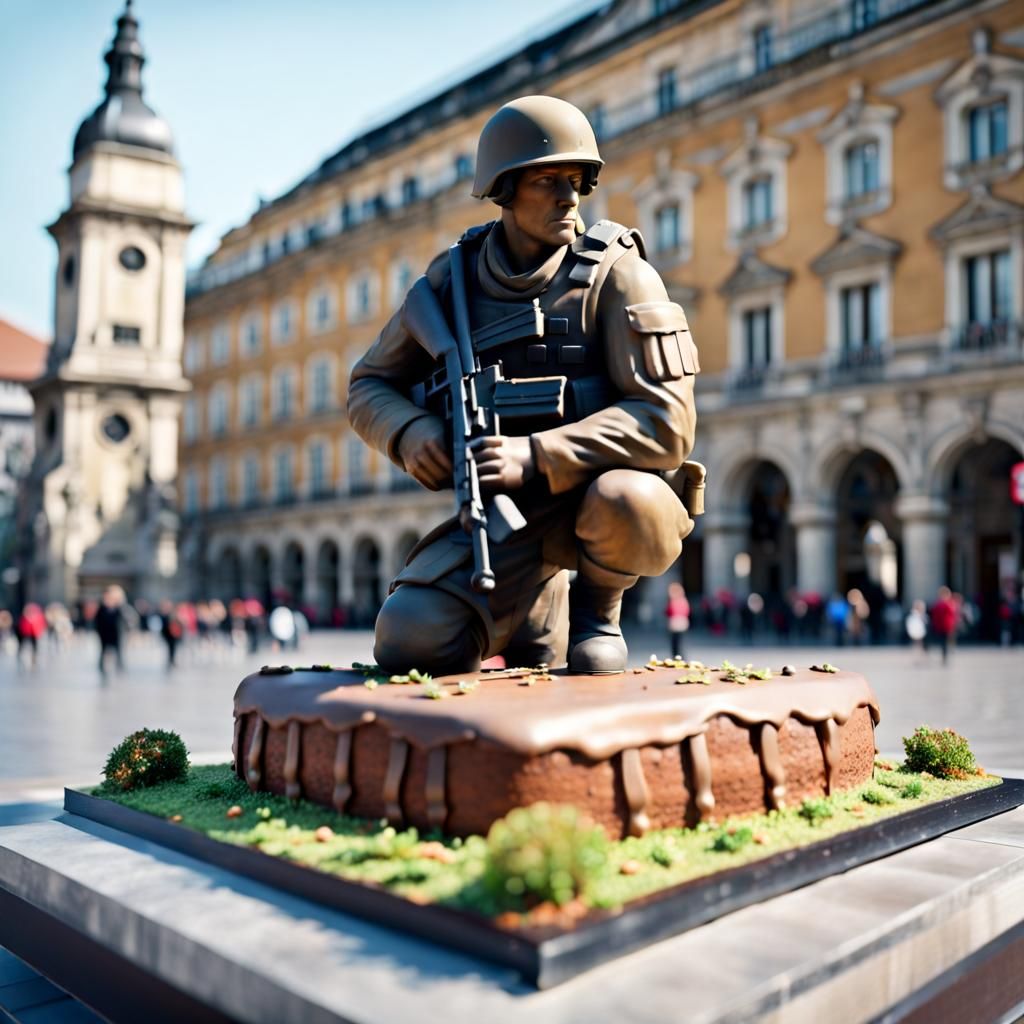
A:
(123, 116)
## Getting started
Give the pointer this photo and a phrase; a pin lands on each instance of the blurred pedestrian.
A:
(677, 617)
(282, 627)
(837, 612)
(109, 625)
(171, 631)
(944, 616)
(916, 625)
(31, 628)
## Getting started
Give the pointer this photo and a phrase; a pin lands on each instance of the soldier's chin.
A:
(562, 234)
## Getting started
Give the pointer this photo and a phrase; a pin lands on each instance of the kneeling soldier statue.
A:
(541, 369)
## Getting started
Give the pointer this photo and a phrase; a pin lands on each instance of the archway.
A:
(261, 573)
(293, 572)
(406, 542)
(227, 575)
(328, 563)
(868, 531)
(771, 542)
(366, 582)
(984, 530)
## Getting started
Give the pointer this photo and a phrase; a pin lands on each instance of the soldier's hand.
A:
(503, 463)
(424, 454)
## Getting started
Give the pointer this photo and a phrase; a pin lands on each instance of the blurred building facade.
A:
(22, 358)
(99, 503)
(833, 191)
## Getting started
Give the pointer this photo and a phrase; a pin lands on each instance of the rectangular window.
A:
(218, 485)
(283, 475)
(597, 119)
(318, 484)
(322, 311)
(410, 191)
(988, 288)
(124, 335)
(252, 402)
(757, 203)
(220, 345)
(356, 464)
(860, 170)
(861, 317)
(987, 134)
(401, 281)
(757, 337)
(348, 216)
(218, 411)
(191, 492)
(463, 167)
(193, 354)
(320, 386)
(762, 48)
(190, 427)
(666, 90)
(865, 14)
(251, 480)
(284, 396)
(252, 336)
(283, 323)
(667, 229)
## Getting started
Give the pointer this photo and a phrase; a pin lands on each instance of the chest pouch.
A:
(669, 351)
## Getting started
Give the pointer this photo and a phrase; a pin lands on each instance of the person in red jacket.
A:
(31, 627)
(944, 616)
(677, 618)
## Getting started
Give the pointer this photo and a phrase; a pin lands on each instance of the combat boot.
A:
(596, 645)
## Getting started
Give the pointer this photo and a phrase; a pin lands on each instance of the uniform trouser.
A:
(625, 524)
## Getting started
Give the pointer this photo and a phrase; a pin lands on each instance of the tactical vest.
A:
(549, 357)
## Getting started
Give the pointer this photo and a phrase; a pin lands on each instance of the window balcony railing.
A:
(863, 362)
(999, 335)
(749, 380)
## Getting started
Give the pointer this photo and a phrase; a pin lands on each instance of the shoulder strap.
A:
(598, 242)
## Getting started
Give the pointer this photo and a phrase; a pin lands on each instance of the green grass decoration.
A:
(145, 758)
(876, 797)
(941, 752)
(453, 872)
(732, 840)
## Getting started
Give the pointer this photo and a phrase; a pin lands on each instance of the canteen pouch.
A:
(530, 397)
(669, 351)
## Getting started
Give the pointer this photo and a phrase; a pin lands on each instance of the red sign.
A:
(1017, 483)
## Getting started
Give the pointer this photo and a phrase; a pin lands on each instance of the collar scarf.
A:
(497, 278)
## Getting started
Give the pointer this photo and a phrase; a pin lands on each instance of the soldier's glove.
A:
(503, 463)
(424, 454)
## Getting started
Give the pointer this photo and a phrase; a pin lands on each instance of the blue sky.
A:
(257, 92)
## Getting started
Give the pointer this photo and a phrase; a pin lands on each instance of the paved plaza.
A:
(58, 722)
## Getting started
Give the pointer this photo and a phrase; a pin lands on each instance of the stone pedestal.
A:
(924, 521)
(935, 933)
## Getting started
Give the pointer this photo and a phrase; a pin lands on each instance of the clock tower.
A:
(101, 498)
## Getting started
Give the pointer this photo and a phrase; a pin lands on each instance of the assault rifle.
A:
(424, 319)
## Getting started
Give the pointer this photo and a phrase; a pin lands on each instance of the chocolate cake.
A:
(637, 751)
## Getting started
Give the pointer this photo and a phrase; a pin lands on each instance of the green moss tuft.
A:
(876, 797)
(912, 790)
(815, 811)
(145, 758)
(941, 752)
(732, 840)
(547, 852)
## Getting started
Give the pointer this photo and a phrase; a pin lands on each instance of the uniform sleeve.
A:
(652, 425)
(379, 407)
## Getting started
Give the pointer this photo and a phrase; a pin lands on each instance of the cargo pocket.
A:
(669, 351)
(433, 561)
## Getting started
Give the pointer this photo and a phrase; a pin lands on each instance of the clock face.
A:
(116, 428)
(132, 258)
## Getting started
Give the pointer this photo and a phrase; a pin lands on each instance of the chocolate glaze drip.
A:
(598, 716)
(292, 788)
(437, 805)
(771, 766)
(254, 773)
(700, 760)
(236, 744)
(828, 737)
(637, 794)
(342, 787)
(397, 756)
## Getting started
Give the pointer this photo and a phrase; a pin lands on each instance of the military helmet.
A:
(534, 130)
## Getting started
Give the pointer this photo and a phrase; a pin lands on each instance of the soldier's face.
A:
(546, 202)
